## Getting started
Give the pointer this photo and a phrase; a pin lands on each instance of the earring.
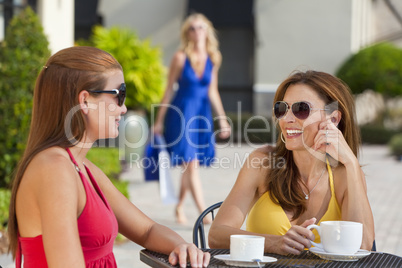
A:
(282, 138)
(333, 119)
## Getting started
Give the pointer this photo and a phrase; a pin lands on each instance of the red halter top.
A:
(97, 227)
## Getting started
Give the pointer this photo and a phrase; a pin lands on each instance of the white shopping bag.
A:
(166, 187)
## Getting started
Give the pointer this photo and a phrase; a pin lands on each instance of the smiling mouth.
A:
(293, 132)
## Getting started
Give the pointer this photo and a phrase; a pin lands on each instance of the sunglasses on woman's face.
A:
(300, 110)
(120, 92)
(196, 28)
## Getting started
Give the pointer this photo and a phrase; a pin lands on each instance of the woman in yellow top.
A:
(311, 175)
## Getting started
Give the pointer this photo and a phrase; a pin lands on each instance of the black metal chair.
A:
(198, 230)
(374, 248)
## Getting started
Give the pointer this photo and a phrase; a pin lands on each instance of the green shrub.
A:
(5, 196)
(395, 145)
(22, 55)
(144, 72)
(376, 134)
(107, 159)
(377, 67)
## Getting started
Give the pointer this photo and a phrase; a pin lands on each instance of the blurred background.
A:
(262, 42)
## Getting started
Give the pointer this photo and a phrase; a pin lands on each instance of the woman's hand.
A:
(296, 239)
(157, 129)
(225, 129)
(330, 139)
(189, 252)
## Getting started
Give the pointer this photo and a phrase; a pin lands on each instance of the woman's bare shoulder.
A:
(256, 168)
(50, 163)
(264, 152)
(50, 176)
(177, 62)
(179, 57)
(260, 158)
(52, 155)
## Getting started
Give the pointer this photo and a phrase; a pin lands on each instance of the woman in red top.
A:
(64, 211)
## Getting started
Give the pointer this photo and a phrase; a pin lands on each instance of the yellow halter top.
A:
(266, 217)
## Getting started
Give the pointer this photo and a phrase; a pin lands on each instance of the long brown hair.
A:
(212, 44)
(57, 87)
(284, 182)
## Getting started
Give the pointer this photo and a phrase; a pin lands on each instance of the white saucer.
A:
(243, 263)
(361, 253)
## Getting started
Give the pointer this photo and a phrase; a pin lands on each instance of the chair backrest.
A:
(198, 230)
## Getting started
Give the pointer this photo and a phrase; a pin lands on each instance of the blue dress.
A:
(189, 126)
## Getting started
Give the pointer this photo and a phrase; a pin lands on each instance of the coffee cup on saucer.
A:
(340, 237)
(246, 247)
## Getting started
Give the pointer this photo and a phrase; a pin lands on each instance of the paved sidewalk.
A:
(384, 182)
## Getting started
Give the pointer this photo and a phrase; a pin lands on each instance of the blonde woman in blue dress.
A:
(185, 116)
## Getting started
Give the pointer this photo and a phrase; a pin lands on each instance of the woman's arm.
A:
(175, 69)
(354, 201)
(217, 106)
(237, 204)
(349, 180)
(136, 226)
(249, 186)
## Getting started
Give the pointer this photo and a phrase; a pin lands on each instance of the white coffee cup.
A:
(246, 247)
(341, 237)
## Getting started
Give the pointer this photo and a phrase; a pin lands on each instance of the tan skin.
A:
(349, 181)
(51, 196)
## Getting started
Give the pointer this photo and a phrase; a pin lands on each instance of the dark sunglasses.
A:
(196, 28)
(120, 92)
(300, 110)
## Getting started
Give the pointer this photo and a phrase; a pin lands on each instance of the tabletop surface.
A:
(306, 259)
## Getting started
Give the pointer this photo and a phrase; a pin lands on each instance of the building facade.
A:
(262, 41)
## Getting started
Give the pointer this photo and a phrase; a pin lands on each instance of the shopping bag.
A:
(151, 158)
(158, 168)
(166, 187)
